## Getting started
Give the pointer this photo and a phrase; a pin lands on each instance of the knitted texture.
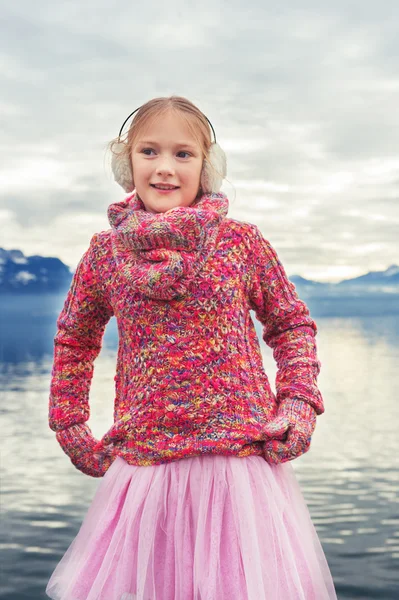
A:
(189, 376)
(161, 253)
(291, 431)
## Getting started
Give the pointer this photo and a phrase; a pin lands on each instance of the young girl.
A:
(198, 499)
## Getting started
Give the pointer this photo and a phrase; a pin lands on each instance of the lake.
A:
(349, 477)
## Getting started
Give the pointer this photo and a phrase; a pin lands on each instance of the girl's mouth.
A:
(163, 190)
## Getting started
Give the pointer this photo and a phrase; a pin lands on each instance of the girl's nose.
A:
(165, 165)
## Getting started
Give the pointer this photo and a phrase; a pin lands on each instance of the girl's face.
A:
(166, 153)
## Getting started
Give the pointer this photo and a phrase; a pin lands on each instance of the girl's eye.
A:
(144, 151)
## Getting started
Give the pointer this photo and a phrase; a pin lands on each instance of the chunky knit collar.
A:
(160, 253)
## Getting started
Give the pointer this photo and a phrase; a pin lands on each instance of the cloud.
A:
(303, 100)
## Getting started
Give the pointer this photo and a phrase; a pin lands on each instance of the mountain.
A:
(32, 274)
(376, 281)
(20, 274)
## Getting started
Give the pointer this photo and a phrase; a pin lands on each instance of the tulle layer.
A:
(209, 527)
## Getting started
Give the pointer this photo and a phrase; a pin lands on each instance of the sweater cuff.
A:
(297, 409)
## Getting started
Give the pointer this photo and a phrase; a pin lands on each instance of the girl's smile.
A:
(165, 191)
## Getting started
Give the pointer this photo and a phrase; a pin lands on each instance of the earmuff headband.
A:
(125, 121)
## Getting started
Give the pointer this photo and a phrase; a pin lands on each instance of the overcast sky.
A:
(304, 101)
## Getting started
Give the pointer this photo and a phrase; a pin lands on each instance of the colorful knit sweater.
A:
(190, 378)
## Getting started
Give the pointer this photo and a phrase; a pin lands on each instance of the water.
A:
(349, 477)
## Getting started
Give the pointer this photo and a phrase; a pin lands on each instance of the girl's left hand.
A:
(290, 432)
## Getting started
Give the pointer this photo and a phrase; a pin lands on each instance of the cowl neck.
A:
(161, 253)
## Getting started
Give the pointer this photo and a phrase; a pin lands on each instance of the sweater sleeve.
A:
(287, 326)
(77, 343)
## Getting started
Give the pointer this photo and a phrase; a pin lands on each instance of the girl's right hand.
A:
(120, 430)
(78, 442)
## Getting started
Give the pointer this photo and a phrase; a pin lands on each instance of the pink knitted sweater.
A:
(190, 378)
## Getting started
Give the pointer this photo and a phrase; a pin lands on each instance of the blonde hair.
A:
(157, 107)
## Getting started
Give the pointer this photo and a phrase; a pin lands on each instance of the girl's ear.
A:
(122, 168)
(213, 170)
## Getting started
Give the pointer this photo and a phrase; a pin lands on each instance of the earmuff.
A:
(212, 175)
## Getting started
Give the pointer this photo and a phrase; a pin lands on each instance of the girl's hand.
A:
(120, 430)
(290, 431)
(78, 442)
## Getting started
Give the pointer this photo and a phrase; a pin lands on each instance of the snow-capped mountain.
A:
(375, 281)
(32, 274)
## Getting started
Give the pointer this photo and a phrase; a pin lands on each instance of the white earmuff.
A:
(212, 175)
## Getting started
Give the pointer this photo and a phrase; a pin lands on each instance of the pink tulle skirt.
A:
(209, 527)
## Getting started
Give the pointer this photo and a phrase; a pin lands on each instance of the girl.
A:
(198, 499)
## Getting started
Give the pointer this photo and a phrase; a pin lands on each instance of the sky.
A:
(303, 98)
